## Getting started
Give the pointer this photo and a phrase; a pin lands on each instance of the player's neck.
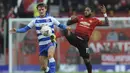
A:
(88, 16)
(42, 16)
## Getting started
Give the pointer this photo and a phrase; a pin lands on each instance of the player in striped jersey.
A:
(46, 46)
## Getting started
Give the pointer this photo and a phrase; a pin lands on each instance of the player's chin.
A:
(87, 15)
(42, 14)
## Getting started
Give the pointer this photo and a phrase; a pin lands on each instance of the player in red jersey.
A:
(85, 25)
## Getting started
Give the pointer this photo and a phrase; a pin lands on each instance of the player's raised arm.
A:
(24, 29)
(103, 10)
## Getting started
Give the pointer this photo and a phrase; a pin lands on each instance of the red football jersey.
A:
(85, 26)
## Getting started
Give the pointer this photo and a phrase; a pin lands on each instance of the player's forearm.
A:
(62, 26)
(106, 21)
(70, 22)
(22, 30)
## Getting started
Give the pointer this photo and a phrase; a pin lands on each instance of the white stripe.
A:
(41, 36)
(44, 42)
(52, 29)
(38, 31)
(38, 25)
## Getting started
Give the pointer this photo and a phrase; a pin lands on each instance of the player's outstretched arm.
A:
(21, 30)
(103, 10)
(72, 20)
(24, 29)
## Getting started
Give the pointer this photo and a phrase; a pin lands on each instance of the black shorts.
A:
(78, 42)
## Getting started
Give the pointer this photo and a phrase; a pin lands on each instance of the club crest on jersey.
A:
(90, 21)
(85, 23)
(48, 20)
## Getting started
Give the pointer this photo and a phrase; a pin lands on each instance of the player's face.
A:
(87, 11)
(42, 10)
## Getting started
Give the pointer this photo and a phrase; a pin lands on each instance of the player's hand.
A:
(68, 28)
(103, 9)
(12, 30)
(73, 17)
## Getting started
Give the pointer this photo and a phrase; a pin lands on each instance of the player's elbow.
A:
(106, 24)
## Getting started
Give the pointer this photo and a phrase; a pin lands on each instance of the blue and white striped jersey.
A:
(38, 22)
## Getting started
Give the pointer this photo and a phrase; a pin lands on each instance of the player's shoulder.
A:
(34, 19)
(95, 18)
(39, 18)
(80, 16)
(51, 17)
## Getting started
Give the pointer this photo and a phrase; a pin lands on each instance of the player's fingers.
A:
(73, 17)
(10, 31)
(103, 6)
(68, 28)
(14, 29)
(100, 7)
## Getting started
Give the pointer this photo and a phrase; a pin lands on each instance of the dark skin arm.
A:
(72, 21)
(103, 10)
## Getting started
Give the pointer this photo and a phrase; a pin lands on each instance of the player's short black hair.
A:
(41, 5)
(91, 8)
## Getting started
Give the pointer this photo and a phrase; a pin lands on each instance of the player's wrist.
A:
(16, 30)
(105, 14)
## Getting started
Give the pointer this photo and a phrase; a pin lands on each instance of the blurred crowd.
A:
(26, 8)
(58, 8)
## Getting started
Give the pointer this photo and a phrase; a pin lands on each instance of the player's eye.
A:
(40, 9)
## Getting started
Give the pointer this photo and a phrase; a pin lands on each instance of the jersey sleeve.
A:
(56, 22)
(26, 28)
(31, 24)
(99, 22)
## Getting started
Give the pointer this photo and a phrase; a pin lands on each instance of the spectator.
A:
(122, 36)
(1, 44)
(23, 8)
(2, 14)
(112, 36)
(71, 54)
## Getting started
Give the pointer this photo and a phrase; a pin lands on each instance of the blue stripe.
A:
(38, 28)
(62, 26)
(52, 26)
(43, 21)
(43, 46)
(53, 32)
(44, 39)
(39, 34)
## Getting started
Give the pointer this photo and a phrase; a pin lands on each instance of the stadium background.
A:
(109, 46)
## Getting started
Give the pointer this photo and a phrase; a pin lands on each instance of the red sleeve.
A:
(75, 19)
(99, 22)
(78, 17)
